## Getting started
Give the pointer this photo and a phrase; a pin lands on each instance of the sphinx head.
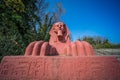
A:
(59, 32)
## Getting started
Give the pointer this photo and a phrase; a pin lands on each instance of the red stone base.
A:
(60, 68)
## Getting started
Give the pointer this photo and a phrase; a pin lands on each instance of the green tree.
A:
(10, 21)
(44, 28)
(99, 42)
(24, 21)
(48, 20)
(89, 39)
(18, 19)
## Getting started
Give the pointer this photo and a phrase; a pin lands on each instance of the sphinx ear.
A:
(52, 35)
(50, 32)
(67, 37)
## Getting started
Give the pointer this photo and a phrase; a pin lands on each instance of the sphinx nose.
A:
(60, 27)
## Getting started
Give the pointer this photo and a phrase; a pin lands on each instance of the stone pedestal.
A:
(59, 68)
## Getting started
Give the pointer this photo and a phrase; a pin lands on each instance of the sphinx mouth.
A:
(60, 35)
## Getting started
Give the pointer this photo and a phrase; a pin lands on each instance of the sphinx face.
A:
(60, 30)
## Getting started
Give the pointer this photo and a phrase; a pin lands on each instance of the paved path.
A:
(115, 52)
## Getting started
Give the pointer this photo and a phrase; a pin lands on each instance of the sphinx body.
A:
(59, 44)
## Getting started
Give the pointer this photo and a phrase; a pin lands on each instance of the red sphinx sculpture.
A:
(59, 44)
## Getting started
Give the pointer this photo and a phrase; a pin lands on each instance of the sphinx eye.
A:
(57, 25)
(61, 25)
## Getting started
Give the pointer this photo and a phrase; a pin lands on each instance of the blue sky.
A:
(92, 18)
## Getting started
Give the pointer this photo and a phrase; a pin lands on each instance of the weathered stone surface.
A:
(59, 68)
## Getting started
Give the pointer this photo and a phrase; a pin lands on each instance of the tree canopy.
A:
(24, 21)
(99, 42)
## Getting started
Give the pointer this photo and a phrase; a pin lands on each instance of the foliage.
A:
(45, 27)
(116, 45)
(48, 20)
(99, 42)
(23, 21)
